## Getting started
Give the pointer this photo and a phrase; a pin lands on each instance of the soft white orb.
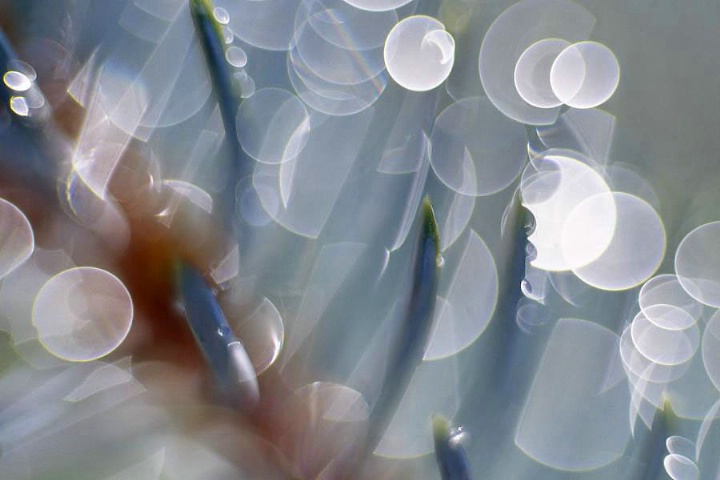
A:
(82, 314)
(419, 54)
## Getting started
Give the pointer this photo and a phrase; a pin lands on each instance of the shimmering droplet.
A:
(17, 81)
(221, 15)
(236, 56)
(228, 35)
(20, 106)
(419, 53)
(585, 74)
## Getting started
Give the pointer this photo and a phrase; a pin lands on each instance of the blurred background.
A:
(569, 150)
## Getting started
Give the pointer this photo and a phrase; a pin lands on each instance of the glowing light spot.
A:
(17, 81)
(419, 54)
(512, 32)
(635, 251)
(469, 304)
(711, 349)
(20, 106)
(561, 191)
(662, 345)
(532, 72)
(221, 15)
(236, 57)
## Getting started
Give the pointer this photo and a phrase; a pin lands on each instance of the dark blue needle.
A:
(225, 355)
(449, 452)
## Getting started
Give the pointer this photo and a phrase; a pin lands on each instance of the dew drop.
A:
(20, 106)
(17, 81)
(221, 15)
(236, 57)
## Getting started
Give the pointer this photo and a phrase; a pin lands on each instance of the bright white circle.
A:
(634, 253)
(588, 230)
(82, 314)
(419, 53)
(697, 264)
(665, 289)
(17, 81)
(585, 75)
(551, 187)
(532, 72)
(638, 365)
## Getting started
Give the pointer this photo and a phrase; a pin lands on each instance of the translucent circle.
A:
(221, 15)
(567, 74)
(82, 314)
(272, 126)
(697, 264)
(419, 54)
(532, 72)
(17, 81)
(663, 346)
(669, 317)
(469, 303)
(512, 32)
(331, 98)
(679, 467)
(680, 446)
(20, 106)
(17, 242)
(638, 365)
(345, 26)
(236, 56)
(251, 208)
(24, 68)
(635, 251)
(475, 149)
(666, 289)
(711, 349)
(377, 5)
(332, 63)
(585, 75)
